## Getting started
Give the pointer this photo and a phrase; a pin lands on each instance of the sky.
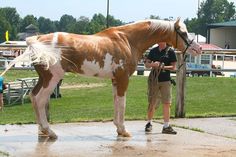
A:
(125, 10)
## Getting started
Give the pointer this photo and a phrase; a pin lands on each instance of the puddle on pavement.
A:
(99, 139)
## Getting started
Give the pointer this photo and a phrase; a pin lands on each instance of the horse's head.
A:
(183, 41)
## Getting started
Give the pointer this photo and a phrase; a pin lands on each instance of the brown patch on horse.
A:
(44, 78)
(121, 81)
(47, 38)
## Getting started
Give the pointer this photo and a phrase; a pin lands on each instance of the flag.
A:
(7, 36)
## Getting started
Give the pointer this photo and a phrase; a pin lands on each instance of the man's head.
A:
(162, 45)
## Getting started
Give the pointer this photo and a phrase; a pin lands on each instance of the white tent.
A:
(199, 38)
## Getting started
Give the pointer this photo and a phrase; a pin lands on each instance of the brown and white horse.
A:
(112, 53)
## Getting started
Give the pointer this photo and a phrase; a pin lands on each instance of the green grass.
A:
(12, 75)
(3, 154)
(205, 97)
(211, 96)
(189, 128)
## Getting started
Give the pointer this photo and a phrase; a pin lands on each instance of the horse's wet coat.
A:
(112, 53)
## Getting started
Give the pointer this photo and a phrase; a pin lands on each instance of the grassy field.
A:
(205, 97)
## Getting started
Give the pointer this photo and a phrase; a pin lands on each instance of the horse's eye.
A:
(184, 34)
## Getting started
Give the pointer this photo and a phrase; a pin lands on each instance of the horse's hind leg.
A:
(40, 96)
(33, 94)
(39, 102)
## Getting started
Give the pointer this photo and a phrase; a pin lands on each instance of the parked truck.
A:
(196, 70)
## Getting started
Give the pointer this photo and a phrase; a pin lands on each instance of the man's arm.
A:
(170, 67)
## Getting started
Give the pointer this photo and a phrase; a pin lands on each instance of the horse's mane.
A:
(154, 25)
(161, 25)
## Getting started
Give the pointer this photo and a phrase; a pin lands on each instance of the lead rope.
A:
(153, 81)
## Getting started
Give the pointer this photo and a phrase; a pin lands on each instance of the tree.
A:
(66, 22)
(216, 10)
(114, 22)
(46, 25)
(4, 26)
(97, 23)
(29, 19)
(9, 18)
(154, 17)
(193, 25)
(213, 11)
(81, 26)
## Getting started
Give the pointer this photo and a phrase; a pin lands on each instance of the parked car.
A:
(140, 69)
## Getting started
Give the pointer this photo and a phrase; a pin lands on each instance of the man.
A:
(1, 92)
(161, 59)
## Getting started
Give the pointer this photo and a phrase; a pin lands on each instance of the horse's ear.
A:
(177, 23)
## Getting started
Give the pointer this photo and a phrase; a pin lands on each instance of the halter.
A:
(186, 41)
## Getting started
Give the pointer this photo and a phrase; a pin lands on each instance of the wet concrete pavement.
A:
(224, 126)
(99, 139)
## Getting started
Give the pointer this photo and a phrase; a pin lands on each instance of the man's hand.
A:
(155, 64)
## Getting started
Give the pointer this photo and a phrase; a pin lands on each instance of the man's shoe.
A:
(148, 127)
(169, 130)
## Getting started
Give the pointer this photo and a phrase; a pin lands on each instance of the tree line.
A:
(10, 20)
(210, 11)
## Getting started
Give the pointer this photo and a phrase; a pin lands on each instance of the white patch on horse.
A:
(57, 70)
(55, 39)
(92, 68)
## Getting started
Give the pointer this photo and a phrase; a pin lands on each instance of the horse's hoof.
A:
(124, 134)
(52, 136)
(119, 132)
(47, 132)
(42, 133)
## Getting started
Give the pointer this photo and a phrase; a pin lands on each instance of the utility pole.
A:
(198, 8)
(107, 13)
(180, 87)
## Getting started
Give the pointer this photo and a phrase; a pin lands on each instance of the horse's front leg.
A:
(121, 104)
(119, 110)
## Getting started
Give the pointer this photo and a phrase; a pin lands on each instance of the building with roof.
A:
(222, 34)
(30, 30)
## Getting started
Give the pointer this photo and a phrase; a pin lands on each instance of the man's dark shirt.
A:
(166, 56)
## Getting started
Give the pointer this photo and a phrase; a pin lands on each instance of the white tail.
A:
(38, 53)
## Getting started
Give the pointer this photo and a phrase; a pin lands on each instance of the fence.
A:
(181, 79)
(17, 91)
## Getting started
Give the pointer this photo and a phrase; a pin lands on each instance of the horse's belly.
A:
(93, 69)
(100, 73)
(105, 68)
